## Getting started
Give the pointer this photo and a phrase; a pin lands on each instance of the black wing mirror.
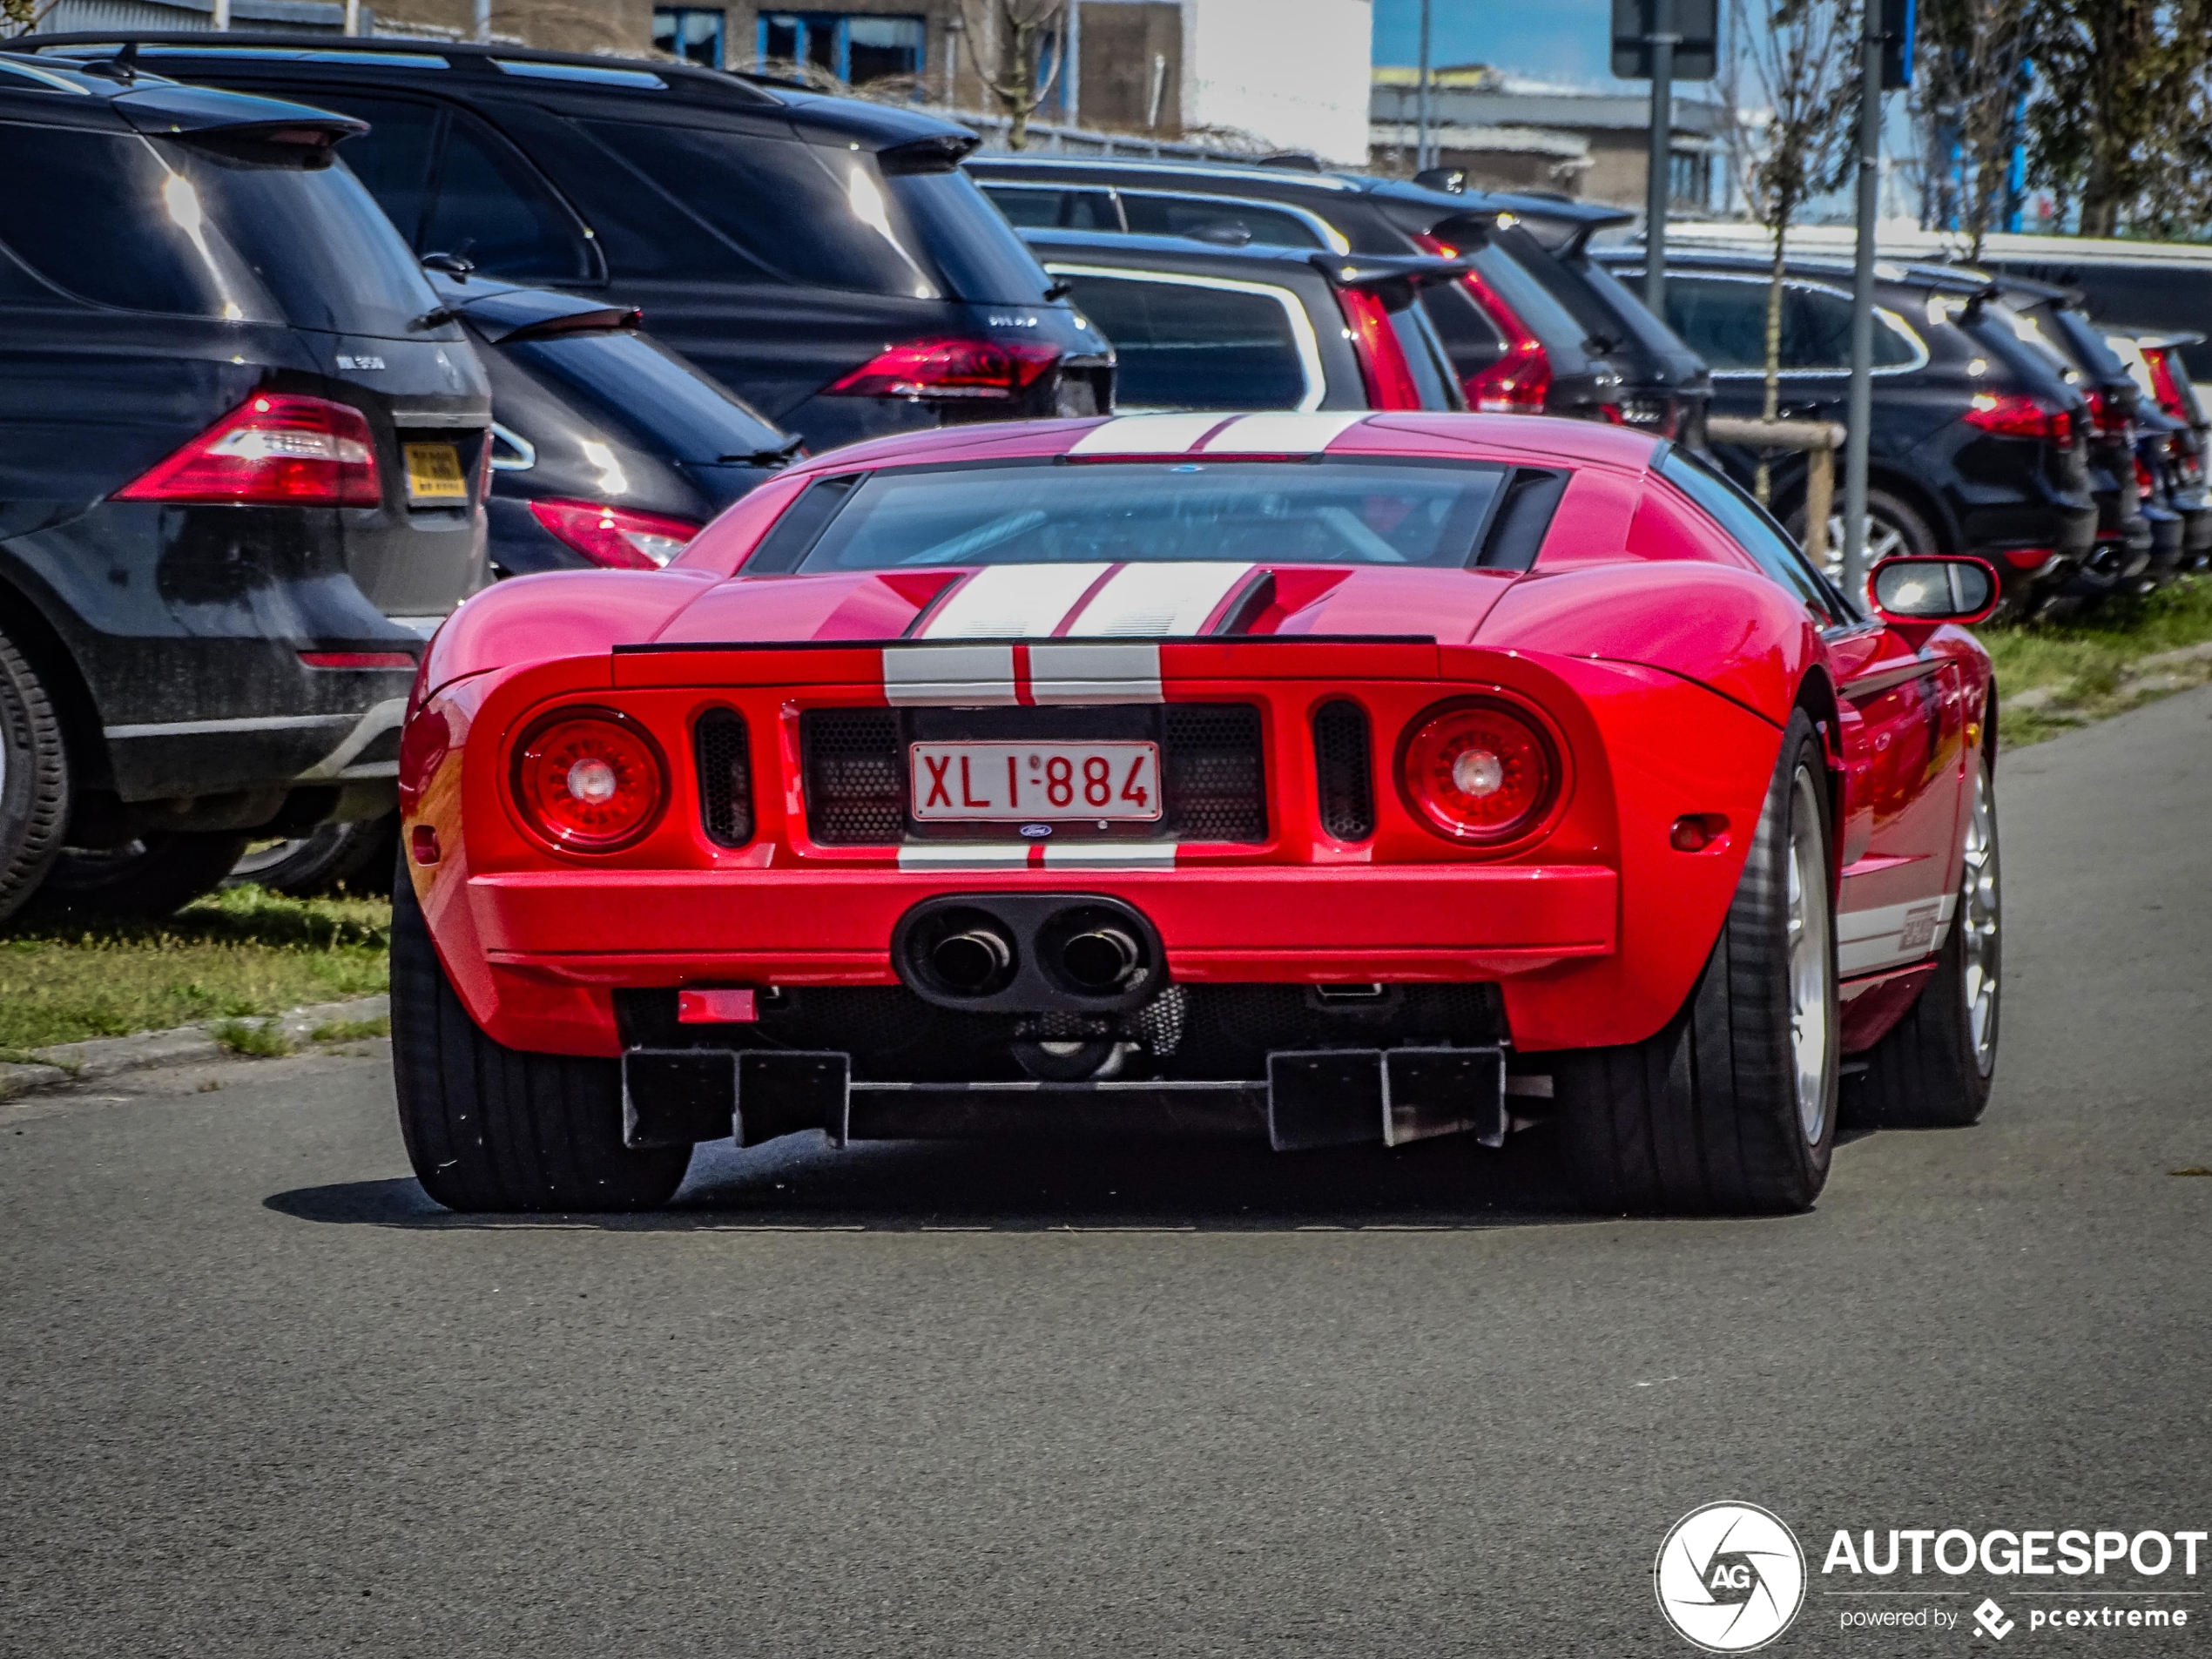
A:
(1925, 589)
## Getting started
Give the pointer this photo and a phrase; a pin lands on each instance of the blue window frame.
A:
(857, 48)
(694, 34)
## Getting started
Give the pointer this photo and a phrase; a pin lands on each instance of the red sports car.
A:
(1328, 778)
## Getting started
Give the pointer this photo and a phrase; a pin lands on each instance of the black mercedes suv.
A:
(824, 258)
(242, 455)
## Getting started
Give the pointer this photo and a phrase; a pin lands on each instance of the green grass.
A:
(2086, 667)
(350, 1030)
(231, 956)
(253, 1037)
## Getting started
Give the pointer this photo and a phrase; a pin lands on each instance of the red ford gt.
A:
(1327, 777)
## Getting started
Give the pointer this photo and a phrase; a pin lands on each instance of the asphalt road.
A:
(258, 1397)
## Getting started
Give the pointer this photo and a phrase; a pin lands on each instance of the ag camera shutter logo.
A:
(1730, 1577)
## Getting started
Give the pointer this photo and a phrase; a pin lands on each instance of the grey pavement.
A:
(258, 1397)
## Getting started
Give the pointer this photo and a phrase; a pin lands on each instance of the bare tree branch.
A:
(1019, 29)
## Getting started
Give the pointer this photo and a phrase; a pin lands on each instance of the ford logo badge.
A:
(1036, 831)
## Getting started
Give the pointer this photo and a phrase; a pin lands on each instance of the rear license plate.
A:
(1035, 782)
(434, 473)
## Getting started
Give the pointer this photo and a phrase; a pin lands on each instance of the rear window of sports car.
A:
(1323, 512)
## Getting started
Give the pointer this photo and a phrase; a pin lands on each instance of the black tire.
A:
(34, 781)
(1933, 1069)
(1704, 1117)
(154, 876)
(352, 857)
(489, 1127)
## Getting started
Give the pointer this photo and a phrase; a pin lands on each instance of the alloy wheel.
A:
(1811, 958)
(1978, 921)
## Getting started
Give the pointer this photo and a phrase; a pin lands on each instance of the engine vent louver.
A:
(1344, 769)
(855, 792)
(724, 761)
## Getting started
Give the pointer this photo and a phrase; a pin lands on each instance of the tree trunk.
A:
(1763, 486)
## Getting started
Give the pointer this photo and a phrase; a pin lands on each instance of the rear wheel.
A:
(156, 875)
(34, 781)
(487, 1127)
(355, 855)
(1731, 1107)
(1934, 1067)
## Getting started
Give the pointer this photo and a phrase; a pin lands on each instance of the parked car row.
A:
(602, 300)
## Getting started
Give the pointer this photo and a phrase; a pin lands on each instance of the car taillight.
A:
(275, 449)
(2165, 385)
(928, 370)
(2015, 415)
(1478, 772)
(1519, 381)
(1388, 376)
(590, 780)
(1662, 415)
(2145, 485)
(618, 537)
(2107, 419)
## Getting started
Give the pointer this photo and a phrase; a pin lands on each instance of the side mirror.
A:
(1918, 587)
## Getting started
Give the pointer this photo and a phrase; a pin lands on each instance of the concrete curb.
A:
(78, 1063)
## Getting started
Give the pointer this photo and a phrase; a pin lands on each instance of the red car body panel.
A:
(1652, 648)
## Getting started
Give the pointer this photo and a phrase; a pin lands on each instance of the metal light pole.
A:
(1657, 193)
(1422, 160)
(1862, 307)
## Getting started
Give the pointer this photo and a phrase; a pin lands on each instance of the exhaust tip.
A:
(1101, 960)
(973, 962)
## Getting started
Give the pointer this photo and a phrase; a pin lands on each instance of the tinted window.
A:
(630, 380)
(1753, 530)
(973, 247)
(1185, 346)
(179, 228)
(1326, 512)
(490, 205)
(1816, 333)
(814, 216)
(393, 157)
(1628, 309)
(1721, 319)
(1056, 210)
(1208, 220)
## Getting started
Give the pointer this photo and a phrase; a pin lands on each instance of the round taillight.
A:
(590, 780)
(1478, 772)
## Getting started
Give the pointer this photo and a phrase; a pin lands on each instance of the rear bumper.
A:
(1295, 925)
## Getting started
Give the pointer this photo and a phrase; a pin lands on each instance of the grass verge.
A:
(2052, 677)
(230, 956)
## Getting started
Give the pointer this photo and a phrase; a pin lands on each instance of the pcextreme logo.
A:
(1730, 1577)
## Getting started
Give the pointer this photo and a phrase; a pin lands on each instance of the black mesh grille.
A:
(855, 784)
(725, 777)
(1342, 764)
(1217, 786)
(1216, 782)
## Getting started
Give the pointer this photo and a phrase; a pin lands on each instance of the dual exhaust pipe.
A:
(1028, 953)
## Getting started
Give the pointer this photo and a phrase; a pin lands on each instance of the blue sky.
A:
(1552, 39)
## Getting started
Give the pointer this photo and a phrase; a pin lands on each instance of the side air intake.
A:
(1345, 768)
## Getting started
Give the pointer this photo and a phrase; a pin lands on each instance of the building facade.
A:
(1510, 134)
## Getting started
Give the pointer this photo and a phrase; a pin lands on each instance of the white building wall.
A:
(1295, 73)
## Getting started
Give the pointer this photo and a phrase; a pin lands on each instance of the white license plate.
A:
(1031, 783)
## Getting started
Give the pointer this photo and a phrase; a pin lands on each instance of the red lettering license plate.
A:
(1029, 783)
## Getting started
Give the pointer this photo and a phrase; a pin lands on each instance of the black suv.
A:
(1535, 327)
(1978, 438)
(242, 472)
(1198, 327)
(823, 258)
(607, 448)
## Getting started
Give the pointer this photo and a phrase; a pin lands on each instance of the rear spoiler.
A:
(168, 110)
(1380, 270)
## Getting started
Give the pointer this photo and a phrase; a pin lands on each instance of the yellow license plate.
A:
(434, 473)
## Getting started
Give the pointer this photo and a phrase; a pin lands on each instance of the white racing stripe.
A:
(1888, 935)
(1159, 599)
(1147, 435)
(954, 855)
(1109, 855)
(1011, 601)
(969, 676)
(1095, 674)
(1282, 433)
